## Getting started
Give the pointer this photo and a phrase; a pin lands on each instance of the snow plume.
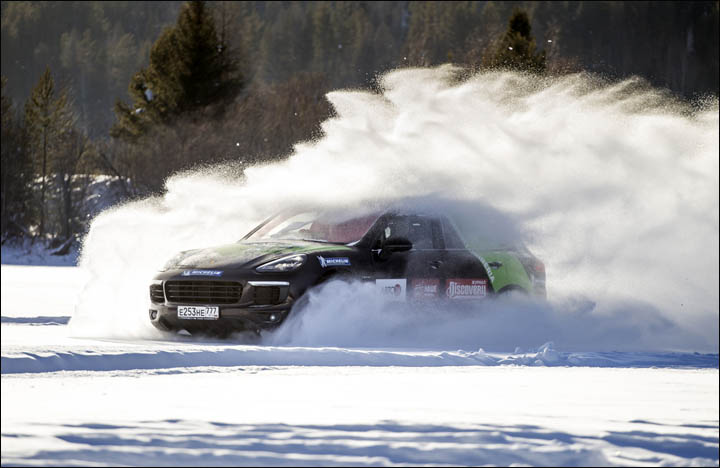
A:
(613, 185)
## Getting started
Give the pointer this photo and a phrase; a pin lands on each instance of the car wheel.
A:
(304, 300)
(512, 291)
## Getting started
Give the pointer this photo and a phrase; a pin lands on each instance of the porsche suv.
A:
(409, 256)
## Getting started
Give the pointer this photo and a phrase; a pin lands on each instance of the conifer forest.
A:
(136, 91)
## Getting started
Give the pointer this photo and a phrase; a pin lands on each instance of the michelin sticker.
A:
(202, 273)
(333, 261)
(392, 289)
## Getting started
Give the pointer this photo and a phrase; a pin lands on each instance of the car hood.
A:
(240, 253)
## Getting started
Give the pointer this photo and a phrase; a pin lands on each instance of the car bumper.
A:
(252, 309)
(165, 317)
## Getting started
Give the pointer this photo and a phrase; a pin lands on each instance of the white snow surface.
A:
(184, 401)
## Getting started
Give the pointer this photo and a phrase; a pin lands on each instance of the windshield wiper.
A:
(323, 241)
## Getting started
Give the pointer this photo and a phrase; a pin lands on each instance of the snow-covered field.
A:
(77, 401)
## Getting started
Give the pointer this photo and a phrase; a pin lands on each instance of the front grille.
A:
(156, 293)
(266, 295)
(203, 292)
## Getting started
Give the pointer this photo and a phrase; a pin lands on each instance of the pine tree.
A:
(516, 49)
(16, 173)
(190, 69)
(70, 172)
(47, 118)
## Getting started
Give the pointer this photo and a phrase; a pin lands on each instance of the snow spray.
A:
(614, 185)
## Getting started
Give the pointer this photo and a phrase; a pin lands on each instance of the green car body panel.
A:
(509, 274)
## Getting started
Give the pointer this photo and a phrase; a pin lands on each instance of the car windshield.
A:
(319, 226)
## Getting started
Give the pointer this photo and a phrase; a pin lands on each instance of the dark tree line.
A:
(96, 47)
(138, 91)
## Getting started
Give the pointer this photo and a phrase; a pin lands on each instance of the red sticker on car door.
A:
(424, 287)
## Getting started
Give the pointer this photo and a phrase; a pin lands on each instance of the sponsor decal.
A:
(488, 270)
(202, 273)
(424, 287)
(333, 261)
(393, 289)
(464, 288)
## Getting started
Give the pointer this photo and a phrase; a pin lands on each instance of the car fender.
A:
(504, 270)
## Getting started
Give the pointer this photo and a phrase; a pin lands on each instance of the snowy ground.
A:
(189, 402)
(28, 253)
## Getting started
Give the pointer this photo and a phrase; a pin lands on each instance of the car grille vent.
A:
(203, 292)
(156, 293)
(266, 295)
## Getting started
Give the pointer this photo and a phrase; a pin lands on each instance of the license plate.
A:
(198, 312)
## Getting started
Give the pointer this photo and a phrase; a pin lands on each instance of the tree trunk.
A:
(67, 200)
(42, 190)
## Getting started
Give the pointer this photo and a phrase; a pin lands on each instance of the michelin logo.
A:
(333, 261)
(202, 273)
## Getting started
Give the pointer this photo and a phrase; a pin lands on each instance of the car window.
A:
(423, 232)
(451, 236)
(476, 234)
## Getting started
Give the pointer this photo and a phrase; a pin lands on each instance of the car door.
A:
(416, 273)
(465, 276)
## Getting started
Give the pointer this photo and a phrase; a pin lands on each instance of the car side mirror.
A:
(394, 244)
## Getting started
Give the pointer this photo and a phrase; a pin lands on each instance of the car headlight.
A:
(289, 263)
